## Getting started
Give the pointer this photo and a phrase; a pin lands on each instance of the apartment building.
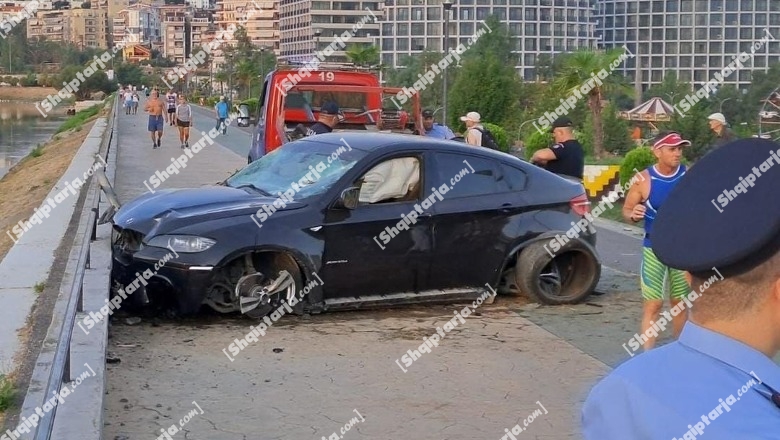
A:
(306, 24)
(262, 25)
(139, 20)
(538, 27)
(174, 32)
(86, 28)
(200, 26)
(693, 38)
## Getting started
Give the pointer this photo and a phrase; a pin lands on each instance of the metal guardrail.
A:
(60, 368)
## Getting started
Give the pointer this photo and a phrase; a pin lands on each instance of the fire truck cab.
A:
(292, 97)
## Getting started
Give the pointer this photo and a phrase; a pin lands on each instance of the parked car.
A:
(378, 218)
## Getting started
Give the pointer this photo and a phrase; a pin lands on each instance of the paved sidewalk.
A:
(137, 161)
(304, 378)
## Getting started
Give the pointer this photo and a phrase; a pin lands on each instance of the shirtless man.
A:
(155, 107)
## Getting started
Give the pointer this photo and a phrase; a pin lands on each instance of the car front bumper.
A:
(165, 273)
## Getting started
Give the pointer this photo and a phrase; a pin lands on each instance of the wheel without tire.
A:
(271, 273)
(567, 278)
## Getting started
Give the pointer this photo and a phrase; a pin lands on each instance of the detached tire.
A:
(567, 278)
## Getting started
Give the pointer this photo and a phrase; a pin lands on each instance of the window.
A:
(394, 180)
(455, 171)
(512, 179)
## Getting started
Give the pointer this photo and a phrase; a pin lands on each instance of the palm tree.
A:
(246, 70)
(363, 55)
(578, 68)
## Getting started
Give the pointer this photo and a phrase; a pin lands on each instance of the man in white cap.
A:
(722, 134)
(474, 129)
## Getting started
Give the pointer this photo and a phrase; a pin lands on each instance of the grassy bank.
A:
(76, 121)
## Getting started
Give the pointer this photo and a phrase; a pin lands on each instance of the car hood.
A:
(167, 209)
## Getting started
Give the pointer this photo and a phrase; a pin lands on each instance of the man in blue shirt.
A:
(221, 110)
(434, 129)
(718, 380)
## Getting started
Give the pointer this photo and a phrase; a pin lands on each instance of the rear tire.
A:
(568, 277)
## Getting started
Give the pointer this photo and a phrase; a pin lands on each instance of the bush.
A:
(7, 393)
(252, 103)
(536, 141)
(37, 151)
(500, 136)
(637, 159)
(31, 80)
(212, 101)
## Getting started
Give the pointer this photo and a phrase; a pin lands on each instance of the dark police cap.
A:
(724, 213)
(330, 108)
(427, 114)
(563, 121)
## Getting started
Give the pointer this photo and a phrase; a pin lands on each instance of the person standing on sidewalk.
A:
(645, 197)
(566, 156)
(719, 379)
(221, 110)
(155, 107)
(184, 121)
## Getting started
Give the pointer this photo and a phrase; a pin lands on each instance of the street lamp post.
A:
(447, 8)
(317, 33)
(721, 104)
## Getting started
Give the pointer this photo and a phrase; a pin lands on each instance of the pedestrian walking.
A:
(719, 379)
(566, 156)
(476, 134)
(184, 121)
(136, 100)
(155, 107)
(171, 100)
(221, 110)
(128, 101)
(645, 197)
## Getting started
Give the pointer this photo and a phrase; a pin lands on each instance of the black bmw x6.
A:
(362, 219)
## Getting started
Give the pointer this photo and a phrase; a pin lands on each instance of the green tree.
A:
(487, 81)
(670, 90)
(693, 126)
(578, 68)
(128, 73)
(363, 55)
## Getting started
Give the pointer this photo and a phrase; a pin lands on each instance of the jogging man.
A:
(644, 198)
(221, 110)
(155, 107)
(171, 98)
(184, 121)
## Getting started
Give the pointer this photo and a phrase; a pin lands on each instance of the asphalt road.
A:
(237, 139)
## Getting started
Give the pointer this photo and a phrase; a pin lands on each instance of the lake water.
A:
(22, 128)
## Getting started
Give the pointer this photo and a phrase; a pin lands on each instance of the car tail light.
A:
(580, 205)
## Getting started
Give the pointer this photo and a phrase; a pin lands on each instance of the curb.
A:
(82, 416)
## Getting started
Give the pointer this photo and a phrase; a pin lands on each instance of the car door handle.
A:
(506, 207)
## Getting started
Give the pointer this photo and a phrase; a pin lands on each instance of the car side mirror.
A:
(349, 198)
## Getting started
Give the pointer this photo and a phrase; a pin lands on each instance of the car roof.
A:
(371, 142)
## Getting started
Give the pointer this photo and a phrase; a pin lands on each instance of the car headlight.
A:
(182, 243)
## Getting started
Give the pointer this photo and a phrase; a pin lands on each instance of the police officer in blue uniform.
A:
(720, 224)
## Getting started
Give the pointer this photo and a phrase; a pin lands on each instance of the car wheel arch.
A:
(305, 265)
